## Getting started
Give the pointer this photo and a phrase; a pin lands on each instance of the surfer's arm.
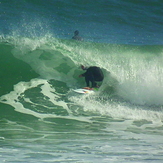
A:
(82, 75)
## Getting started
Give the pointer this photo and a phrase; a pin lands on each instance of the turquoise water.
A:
(43, 120)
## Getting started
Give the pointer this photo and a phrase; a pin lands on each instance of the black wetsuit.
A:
(92, 75)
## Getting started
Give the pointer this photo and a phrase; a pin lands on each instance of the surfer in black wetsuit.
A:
(93, 74)
(76, 36)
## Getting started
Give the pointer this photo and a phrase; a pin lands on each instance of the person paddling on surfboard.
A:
(76, 36)
(93, 74)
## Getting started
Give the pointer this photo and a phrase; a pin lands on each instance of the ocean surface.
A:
(42, 119)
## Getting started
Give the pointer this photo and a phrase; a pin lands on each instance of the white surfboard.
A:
(85, 90)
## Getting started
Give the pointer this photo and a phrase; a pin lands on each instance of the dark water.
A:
(42, 119)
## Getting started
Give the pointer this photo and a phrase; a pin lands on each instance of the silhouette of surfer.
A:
(76, 36)
(93, 74)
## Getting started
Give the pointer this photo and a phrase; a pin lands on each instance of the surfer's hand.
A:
(80, 76)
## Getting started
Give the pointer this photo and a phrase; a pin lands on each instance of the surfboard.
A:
(85, 90)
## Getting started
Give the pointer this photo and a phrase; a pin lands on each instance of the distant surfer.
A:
(76, 36)
(93, 74)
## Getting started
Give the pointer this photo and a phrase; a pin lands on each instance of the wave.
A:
(133, 72)
(43, 71)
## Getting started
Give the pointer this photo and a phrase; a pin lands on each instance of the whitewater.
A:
(43, 120)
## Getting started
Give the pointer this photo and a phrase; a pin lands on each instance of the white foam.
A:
(19, 89)
(115, 109)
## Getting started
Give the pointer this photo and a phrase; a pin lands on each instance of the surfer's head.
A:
(83, 67)
(76, 32)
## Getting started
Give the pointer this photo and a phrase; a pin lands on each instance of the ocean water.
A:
(41, 118)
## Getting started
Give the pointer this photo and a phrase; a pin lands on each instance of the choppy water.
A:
(42, 119)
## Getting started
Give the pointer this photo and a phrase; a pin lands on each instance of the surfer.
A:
(93, 74)
(76, 36)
